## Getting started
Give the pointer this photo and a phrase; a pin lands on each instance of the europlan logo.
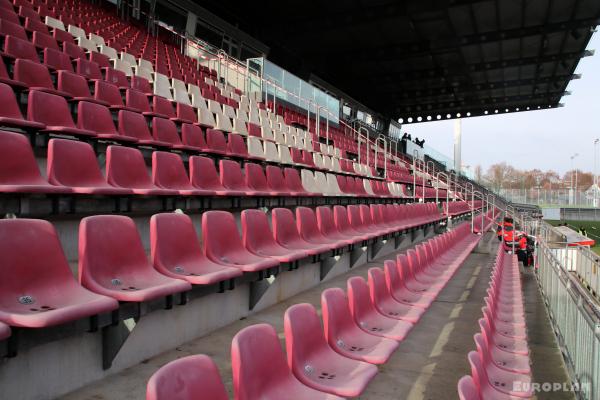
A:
(537, 387)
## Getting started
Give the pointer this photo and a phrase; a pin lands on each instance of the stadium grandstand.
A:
(215, 200)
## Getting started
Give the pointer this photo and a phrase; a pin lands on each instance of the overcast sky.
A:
(535, 139)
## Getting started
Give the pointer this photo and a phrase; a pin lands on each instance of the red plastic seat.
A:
(168, 172)
(98, 119)
(132, 124)
(76, 86)
(8, 14)
(112, 261)
(73, 164)
(345, 337)
(58, 61)
(467, 389)
(126, 168)
(340, 216)
(237, 147)
(37, 288)
(294, 182)
(35, 75)
(368, 318)
(116, 77)
(399, 292)
(258, 238)
(500, 389)
(276, 181)
(204, 175)
(187, 378)
(176, 251)
(162, 106)
(19, 172)
(109, 93)
(19, 48)
(13, 29)
(10, 113)
(260, 371)
(233, 179)
(63, 36)
(223, 245)
(328, 228)
(89, 69)
(165, 130)
(44, 41)
(193, 137)
(287, 235)
(185, 114)
(215, 141)
(141, 84)
(308, 227)
(386, 304)
(136, 100)
(356, 222)
(53, 111)
(4, 331)
(314, 363)
(256, 180)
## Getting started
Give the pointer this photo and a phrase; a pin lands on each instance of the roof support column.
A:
(457, 145)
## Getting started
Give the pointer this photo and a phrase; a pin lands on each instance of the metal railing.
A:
(574, 314)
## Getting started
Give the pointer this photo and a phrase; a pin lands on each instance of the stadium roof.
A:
(419, 58)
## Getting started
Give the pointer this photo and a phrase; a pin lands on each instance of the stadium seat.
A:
(35, 75)
(132, 124)
(399, 292)
(37, 288)
(294, 182)
(258, 238)
(223, 245)
(356, 222)
(368, 318)
(233, 179)
(115, 77)
(345, 337)
(193, 137)
(176, 251)
(53, 111)
(256, 180)
(314, 363)
(19, 172)
(126, 168)
(76, 86)
(386, 304)
(168, 172)
(287, 235)
(260, 370)
(165, 130)
(86, 178)
(97, 118)
(112, 262)
(215, 141)
(498, 387)
(20, 49)
(109, 93)
(340, 216)
(276, 181)
(187, 378)
(236, 146)
(467, 389)
(89, 69)
(308, 227)
(328, 228)
(204, 175)
(10, 114)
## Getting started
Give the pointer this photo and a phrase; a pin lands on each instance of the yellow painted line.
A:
(442, 339)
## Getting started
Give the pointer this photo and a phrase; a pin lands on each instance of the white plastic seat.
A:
(255, 147)
(318, 159)
(284, 154)
(253, 116)
(357, 168)
(229, 111)
(271, 152)
(308, 181)
(123, 66)
(335, 164)
(239, 127)
(333, 188)
(99, 40)
(290, 140)
(367, 185)
(77, 32)
(244, 103)
(267, 133)
(279, 137)
(241, 115)
(205, 117)
(330, 150)
(197, 100)
(263, 114)
(215, 107)
(327, 163)
(162, 86)
(223, 123)
(130, 58)
(85, 43)
(55, 23)
(144, 73)
(323, 148)
(180, 93)
(321, 182)
(142, 63)
(109, 52)
(337, 152)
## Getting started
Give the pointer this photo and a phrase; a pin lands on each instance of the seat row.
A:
(113, 264)
(360, 328)
(455, 208)
(127, 173)
(501, 367)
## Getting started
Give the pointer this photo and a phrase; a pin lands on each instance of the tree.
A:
(478, 173)
(498, 174)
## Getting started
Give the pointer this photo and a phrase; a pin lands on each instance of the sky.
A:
(544, 139)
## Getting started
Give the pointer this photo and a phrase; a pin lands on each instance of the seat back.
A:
(255, 177)
(95, 117)
(284, 225)
(303, 336)
(48, 109)
(165, 130)
(203, 173)
(160, 105)
(275, 179)
(231, 175)
(293, 181)
(187, 378)
(220, 235)
(336, 315)
(17, 161)
(256, 232)
(125, 167)
(10, 107)
(192, 135)
(215, 140)
(73, 84)
(359, 299)
(32, 74)
(134, 125)
(467, 389)
(168, 171)
(20, 49)
(73, 163)
(257, 362)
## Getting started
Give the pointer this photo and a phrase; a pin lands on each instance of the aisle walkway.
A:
(427, 365)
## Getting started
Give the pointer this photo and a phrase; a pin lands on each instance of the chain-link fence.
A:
(559, 197)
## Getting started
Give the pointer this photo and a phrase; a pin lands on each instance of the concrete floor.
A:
(427, 364)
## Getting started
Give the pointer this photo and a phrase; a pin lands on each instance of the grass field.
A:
(592, 228)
